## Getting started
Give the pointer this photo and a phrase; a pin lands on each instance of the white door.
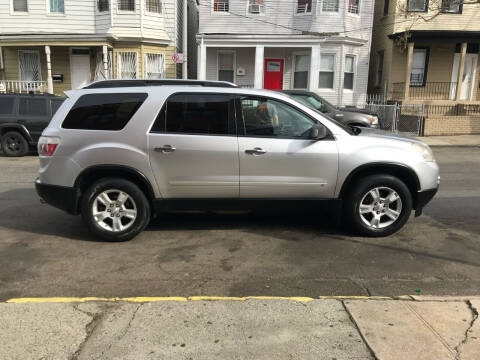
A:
(469, 73)
(80, 68)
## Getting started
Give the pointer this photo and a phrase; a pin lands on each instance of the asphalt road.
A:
(45, 252)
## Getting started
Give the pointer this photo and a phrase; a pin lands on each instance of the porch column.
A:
(406, 91)
(314, 68)
(202, 70)
(49, 71)
(461, 68)
(105, 61)
(259, 56)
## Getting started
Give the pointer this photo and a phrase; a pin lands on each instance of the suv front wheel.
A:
(115, 209)
(378, 205)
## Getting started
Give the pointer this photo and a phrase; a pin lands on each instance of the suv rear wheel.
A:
(378, 205)
(115, 209)
(14, 144)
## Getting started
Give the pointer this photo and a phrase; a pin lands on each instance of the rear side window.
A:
(55, 105)
(6, 105)
(33, 107)
(208, 114)
(103, 111)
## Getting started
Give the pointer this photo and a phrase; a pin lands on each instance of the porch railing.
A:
(19, 86)
(431, 91)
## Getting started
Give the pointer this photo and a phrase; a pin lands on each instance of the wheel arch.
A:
(96, 172)
(4, 128)
(401, 171)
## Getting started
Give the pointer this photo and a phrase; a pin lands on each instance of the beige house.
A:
(426, 52)
(57, 45)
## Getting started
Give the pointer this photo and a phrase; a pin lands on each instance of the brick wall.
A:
(452, 125)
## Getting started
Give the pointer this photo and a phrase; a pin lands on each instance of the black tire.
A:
(360, 189)
(14, 144)
(133, 191)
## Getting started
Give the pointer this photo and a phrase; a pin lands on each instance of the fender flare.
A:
(16, 127)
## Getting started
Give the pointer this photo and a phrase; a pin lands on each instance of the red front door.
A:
(273, 74)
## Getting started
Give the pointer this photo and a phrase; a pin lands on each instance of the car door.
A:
(33, 114)
(194, 148)
(277, 157)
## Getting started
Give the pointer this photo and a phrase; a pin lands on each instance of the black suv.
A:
(22, 120)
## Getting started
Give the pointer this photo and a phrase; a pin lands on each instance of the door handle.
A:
(165, 149)
(255, 151)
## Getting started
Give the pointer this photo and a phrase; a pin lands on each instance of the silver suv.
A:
(121, 152)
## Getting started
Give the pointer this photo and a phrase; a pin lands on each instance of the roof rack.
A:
(139, 82)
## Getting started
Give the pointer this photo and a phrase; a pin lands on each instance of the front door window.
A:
(273, 77)
(226, 62)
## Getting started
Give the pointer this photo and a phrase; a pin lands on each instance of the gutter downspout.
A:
(185, 40)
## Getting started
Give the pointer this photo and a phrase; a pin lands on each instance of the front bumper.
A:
(423, 198)
(62, 197)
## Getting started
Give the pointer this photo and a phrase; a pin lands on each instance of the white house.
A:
(320, 45)
(57, 45)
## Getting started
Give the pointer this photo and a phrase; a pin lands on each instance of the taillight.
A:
(374, 120)
(47, 145)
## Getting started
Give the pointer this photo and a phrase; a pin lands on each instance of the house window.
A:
(327, 65)
(103, 5)
(57, 6)
(20, 5)
(380, 57)
(386, 5)
(349, 73)
(304, 6)
(126, 5)
(419, 64)
(154, 6)
(29, 64)
(256, 7)
(452, 6)
(154, 66)
(418, 5)
(226, 66)
(353, 6)
(330, 5)
(221, 6)
(300, 72)
(127, 65)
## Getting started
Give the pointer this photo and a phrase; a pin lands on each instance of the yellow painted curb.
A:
(191, 298)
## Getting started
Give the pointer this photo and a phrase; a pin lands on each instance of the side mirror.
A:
(318, 132)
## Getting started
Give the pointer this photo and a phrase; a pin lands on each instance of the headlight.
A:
(424, 151)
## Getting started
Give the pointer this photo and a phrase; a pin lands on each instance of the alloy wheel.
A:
(114, 210)
(380, 207)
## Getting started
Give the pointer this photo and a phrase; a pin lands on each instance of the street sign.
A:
(177, 58)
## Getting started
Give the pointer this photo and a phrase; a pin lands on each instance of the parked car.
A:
(351, 116)
(22, 120)
(122, 155)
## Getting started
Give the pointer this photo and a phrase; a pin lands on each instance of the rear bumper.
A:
(423, 198)
(62, 197)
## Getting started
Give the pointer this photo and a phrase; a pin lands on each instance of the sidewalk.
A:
(456, 140)
(252, 328)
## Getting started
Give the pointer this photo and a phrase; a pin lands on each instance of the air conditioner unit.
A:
(255, 8)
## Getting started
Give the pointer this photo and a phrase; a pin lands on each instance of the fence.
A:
(407, 119)
(429, 91)
(17, 86)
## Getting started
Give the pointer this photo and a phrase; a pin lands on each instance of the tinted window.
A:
(6, 105)
(267, 117)
(33, 107)
(195, 114)
(55, 105)
(103, 111)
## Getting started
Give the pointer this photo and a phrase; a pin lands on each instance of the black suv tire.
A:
(14, 144)
(360, 191)
(136, 202)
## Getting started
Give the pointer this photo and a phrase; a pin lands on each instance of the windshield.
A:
(321, 106)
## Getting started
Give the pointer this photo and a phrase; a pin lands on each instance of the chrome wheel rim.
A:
(114, 210)
(380, 207)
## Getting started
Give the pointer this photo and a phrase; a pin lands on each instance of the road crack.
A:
(467, 332)
(89, 328)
